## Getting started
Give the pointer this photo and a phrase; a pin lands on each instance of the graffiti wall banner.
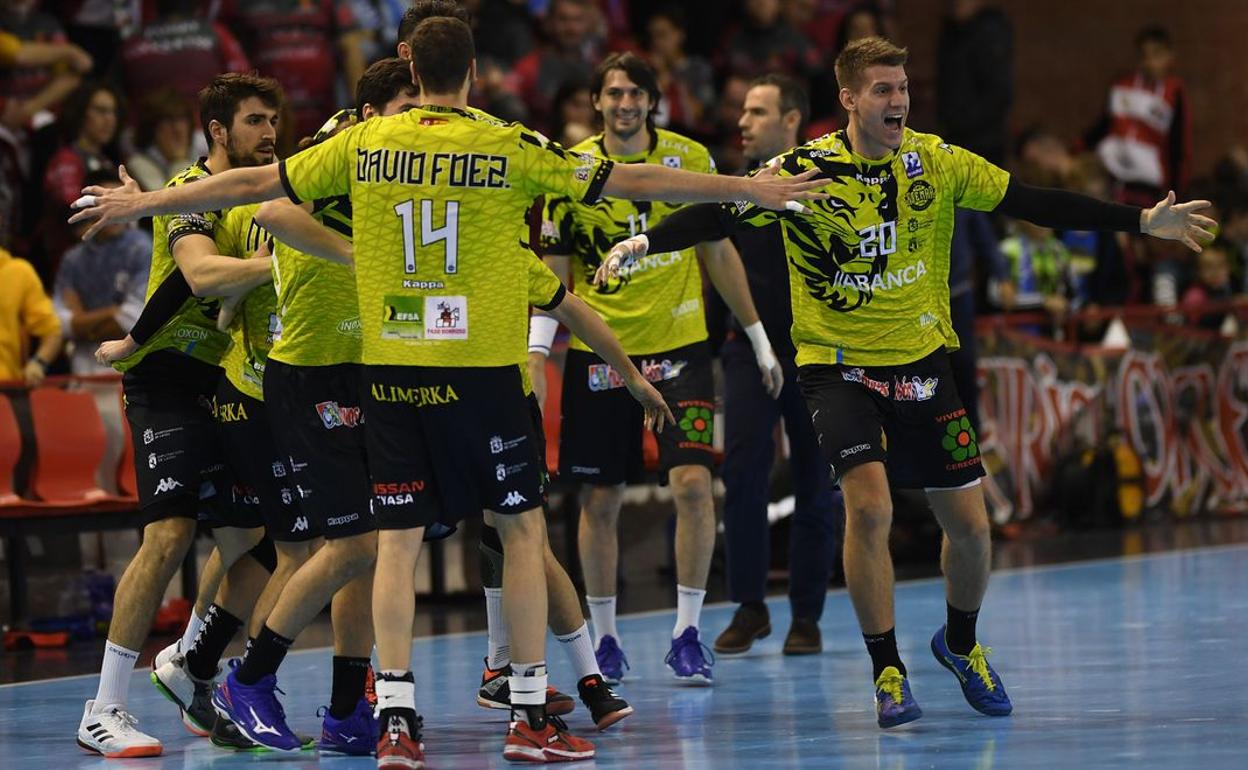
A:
(1177, 398)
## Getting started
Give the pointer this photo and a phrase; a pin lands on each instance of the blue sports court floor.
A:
(1137, 662)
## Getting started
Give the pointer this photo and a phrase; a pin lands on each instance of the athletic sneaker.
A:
(605, 707)
(256, 711)
(114, 733)
(894, 705)
(981, 686)
(552, 743)
(399, 749)
(370, 686)
(689, 659)
(495, 693)
(353, 735)
(611, 660)
(166, 654)
(226, 735)
(193, 696)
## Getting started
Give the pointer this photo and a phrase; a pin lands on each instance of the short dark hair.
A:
(105, 175)
(793, 96)
(442, 50)
(863, 53)
(382, 82)
(219, 99)
(430, 9)
(1153, 33)
(157, 107)
(638, 70)
(74, 116)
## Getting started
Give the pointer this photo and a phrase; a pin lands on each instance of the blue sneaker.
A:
(356, 735)
(980, 684)
(611, 660)
(256, 711)
(894, 705)
(690, 659)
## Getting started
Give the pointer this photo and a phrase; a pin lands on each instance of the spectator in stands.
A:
(569, 54)
(686, 82)
(507, 37)
(99, 26)
(975, 78)
(179, 49)
(377, 20)
(1038, 271)
(306, 45)
(1213, 284)
(43, 77)
(574, 115)
(818, 20)
(163, 139)
(25, 312)
(764, 42)
(864, 20)
(1044, 157)
(101, 284)
(729, 156)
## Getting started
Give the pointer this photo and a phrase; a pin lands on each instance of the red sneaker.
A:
(495, 693)
(552, 744)
(399, 750)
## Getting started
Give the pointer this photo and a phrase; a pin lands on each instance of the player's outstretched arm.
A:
(648, 181)
(103, 206)
(294, 226)
(684, 228)
(585, 324)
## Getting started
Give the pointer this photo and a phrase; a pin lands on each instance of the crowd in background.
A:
(88, 84)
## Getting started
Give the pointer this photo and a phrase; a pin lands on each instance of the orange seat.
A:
(10, 450)
(127, 482)
(552, 414)
(69, 446)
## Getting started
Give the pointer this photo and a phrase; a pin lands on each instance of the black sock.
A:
(348, 687)
(266, 654)
(960, 630)
(217, 633)
(883, 649)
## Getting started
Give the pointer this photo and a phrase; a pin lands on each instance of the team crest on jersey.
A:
(913, 164)
(671, 161)
(920, 195)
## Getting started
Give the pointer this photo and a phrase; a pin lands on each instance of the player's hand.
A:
(114, 350)
(537, 376)
(229, 309)
(622, 255)
(657, 411)
(103, 206)
(33, 373)
(772, 191)
(773, 374)
(1179, 222)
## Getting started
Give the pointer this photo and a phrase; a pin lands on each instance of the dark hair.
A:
(442, 50)
(430, 9)
(105, 175)
(383, 81)
(793, 96)
(74, 116)
(842, 32)
(219, 99)
(638, 70)
(1153, 33)
(158, 106)
(866, 52)
(673, 13)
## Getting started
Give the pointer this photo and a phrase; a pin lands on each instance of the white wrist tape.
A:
(542, 329)
(758, 339)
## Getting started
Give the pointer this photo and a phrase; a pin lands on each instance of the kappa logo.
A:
(913, 164)
(301, 525)
(167, 484)
(514, 498)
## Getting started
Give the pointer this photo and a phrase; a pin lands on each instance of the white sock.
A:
(688, 608)
(528, 684)
(192, 630)
(395, 690)
(580, 651)
(602, 615)
(115, 676)
(499, 642)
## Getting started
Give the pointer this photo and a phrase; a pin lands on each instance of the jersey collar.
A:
(444, 110)
(843, 135)
(601, 141)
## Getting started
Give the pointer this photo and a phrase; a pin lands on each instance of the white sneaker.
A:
(114, 734)
(165, 655)
(192, 696)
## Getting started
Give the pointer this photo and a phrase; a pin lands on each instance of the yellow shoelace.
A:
(890, 682)
(979, 664)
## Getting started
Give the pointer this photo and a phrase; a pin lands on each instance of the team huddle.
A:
(348, 345)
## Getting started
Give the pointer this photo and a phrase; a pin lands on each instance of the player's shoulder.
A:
(675, 149)
(482, 116)
(197, 170)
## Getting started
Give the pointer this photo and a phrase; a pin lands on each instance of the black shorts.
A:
(256, 487)
(168, 401)
(446, 442)
(601, 431)
(908, 417)
(314, 412)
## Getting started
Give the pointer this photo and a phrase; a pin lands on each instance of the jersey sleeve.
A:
(182, 225)
(976, 183)
(322, 170)
(748, 213)
(545, 289)
(547, 168)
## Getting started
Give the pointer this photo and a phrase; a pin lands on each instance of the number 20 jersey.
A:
(439, 198)
(869, 267)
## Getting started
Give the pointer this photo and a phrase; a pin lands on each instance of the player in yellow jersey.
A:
(443, 336)
(868, 283)
(655, 308)
(168, 383)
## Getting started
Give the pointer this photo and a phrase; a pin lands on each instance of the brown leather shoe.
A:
(751, 621)
(804, 638)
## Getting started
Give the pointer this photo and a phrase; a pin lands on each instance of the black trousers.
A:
(750, 421)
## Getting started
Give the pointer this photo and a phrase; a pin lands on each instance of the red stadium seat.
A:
(69, 446)
(551, 414)
(10, 450)
(127, 483)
